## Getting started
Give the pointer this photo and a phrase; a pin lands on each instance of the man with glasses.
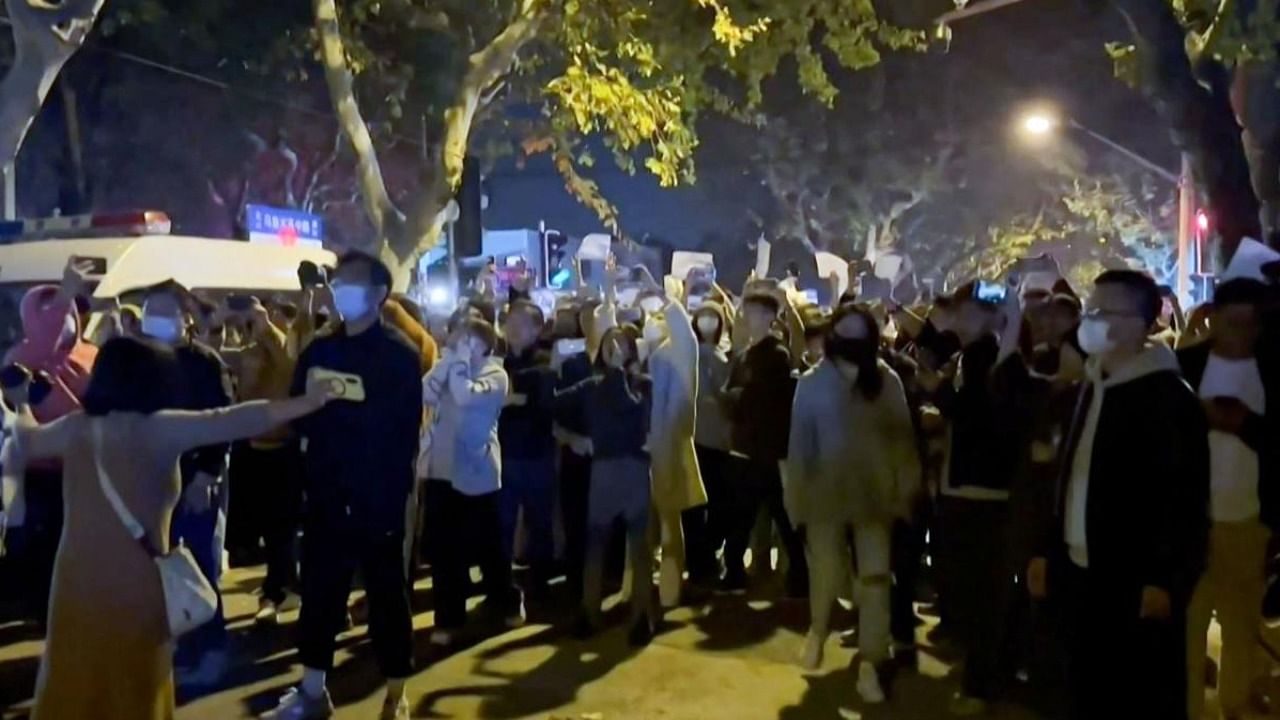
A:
(1130, 541)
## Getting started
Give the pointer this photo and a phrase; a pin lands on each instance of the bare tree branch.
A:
(46, 34)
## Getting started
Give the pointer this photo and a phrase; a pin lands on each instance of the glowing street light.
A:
(1039, 124)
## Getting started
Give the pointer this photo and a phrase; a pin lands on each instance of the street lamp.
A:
(1040, 124)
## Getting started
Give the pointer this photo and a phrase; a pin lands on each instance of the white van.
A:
(123, 264)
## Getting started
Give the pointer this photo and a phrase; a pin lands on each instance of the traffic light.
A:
(557, 263)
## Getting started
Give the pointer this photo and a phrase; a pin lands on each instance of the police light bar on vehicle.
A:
(143, 222)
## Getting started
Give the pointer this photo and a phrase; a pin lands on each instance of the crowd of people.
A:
(1087, 484)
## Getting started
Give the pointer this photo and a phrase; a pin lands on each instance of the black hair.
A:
(379, 273)
(1241, 291)
(1141, 286)
(630, 338)
(530, 309)
(764, 300)
(870, 382)
(132, 375)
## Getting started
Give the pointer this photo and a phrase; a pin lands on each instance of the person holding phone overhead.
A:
(359, 462)
(109, 648)
(51, 344)
(266, 472)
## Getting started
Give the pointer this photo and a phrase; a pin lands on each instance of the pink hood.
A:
(51, 342)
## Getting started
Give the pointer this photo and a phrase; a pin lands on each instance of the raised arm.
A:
(179, 431)
(34, 441)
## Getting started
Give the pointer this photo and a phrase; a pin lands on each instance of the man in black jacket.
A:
(1238, 381)
(525, 434)
(987, 422)
(359, 458)
(1132, 515)
(760, 391)
(201, 517)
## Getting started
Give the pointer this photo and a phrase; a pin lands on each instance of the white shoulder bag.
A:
(189, 600)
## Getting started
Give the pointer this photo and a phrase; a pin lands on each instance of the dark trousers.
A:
(35, 545)
(1119, 665)
(273, 511)
(529, 484)
(981, 587)
(906, 552)
(575, 492)
(333, 549)
(706, 526)
(467, 528)
(760, 483)
(265, 511)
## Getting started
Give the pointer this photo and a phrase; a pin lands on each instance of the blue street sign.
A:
(279, 226)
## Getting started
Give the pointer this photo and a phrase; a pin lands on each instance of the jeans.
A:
(529, 484)
(575, 490)
(467, 527)
(829, 567)
(620, 490)
(204, 534)
(332, 552)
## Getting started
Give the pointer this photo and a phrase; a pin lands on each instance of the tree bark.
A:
(1199, 111)
(381, 210)
(46, 34)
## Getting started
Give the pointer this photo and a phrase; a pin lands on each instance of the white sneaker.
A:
(395, 709)
(869, 684)
(268, 613)
(292, 601)
(441, 638)
(297, 705)
(812, 652)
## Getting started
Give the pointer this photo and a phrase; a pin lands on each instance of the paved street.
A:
(731, 658)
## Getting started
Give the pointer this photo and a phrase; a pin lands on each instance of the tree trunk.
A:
(381, 210)
(45, 34)
(1255, 96)
(1199, 111)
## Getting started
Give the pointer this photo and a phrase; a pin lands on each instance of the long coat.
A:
(673, 365)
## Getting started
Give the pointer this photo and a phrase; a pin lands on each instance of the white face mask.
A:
(707, 325)
(1095, 336)
(654, 332)
(162, 328)
(351, 301)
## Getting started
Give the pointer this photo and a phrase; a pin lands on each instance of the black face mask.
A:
(859, 352)
(1046, 359)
